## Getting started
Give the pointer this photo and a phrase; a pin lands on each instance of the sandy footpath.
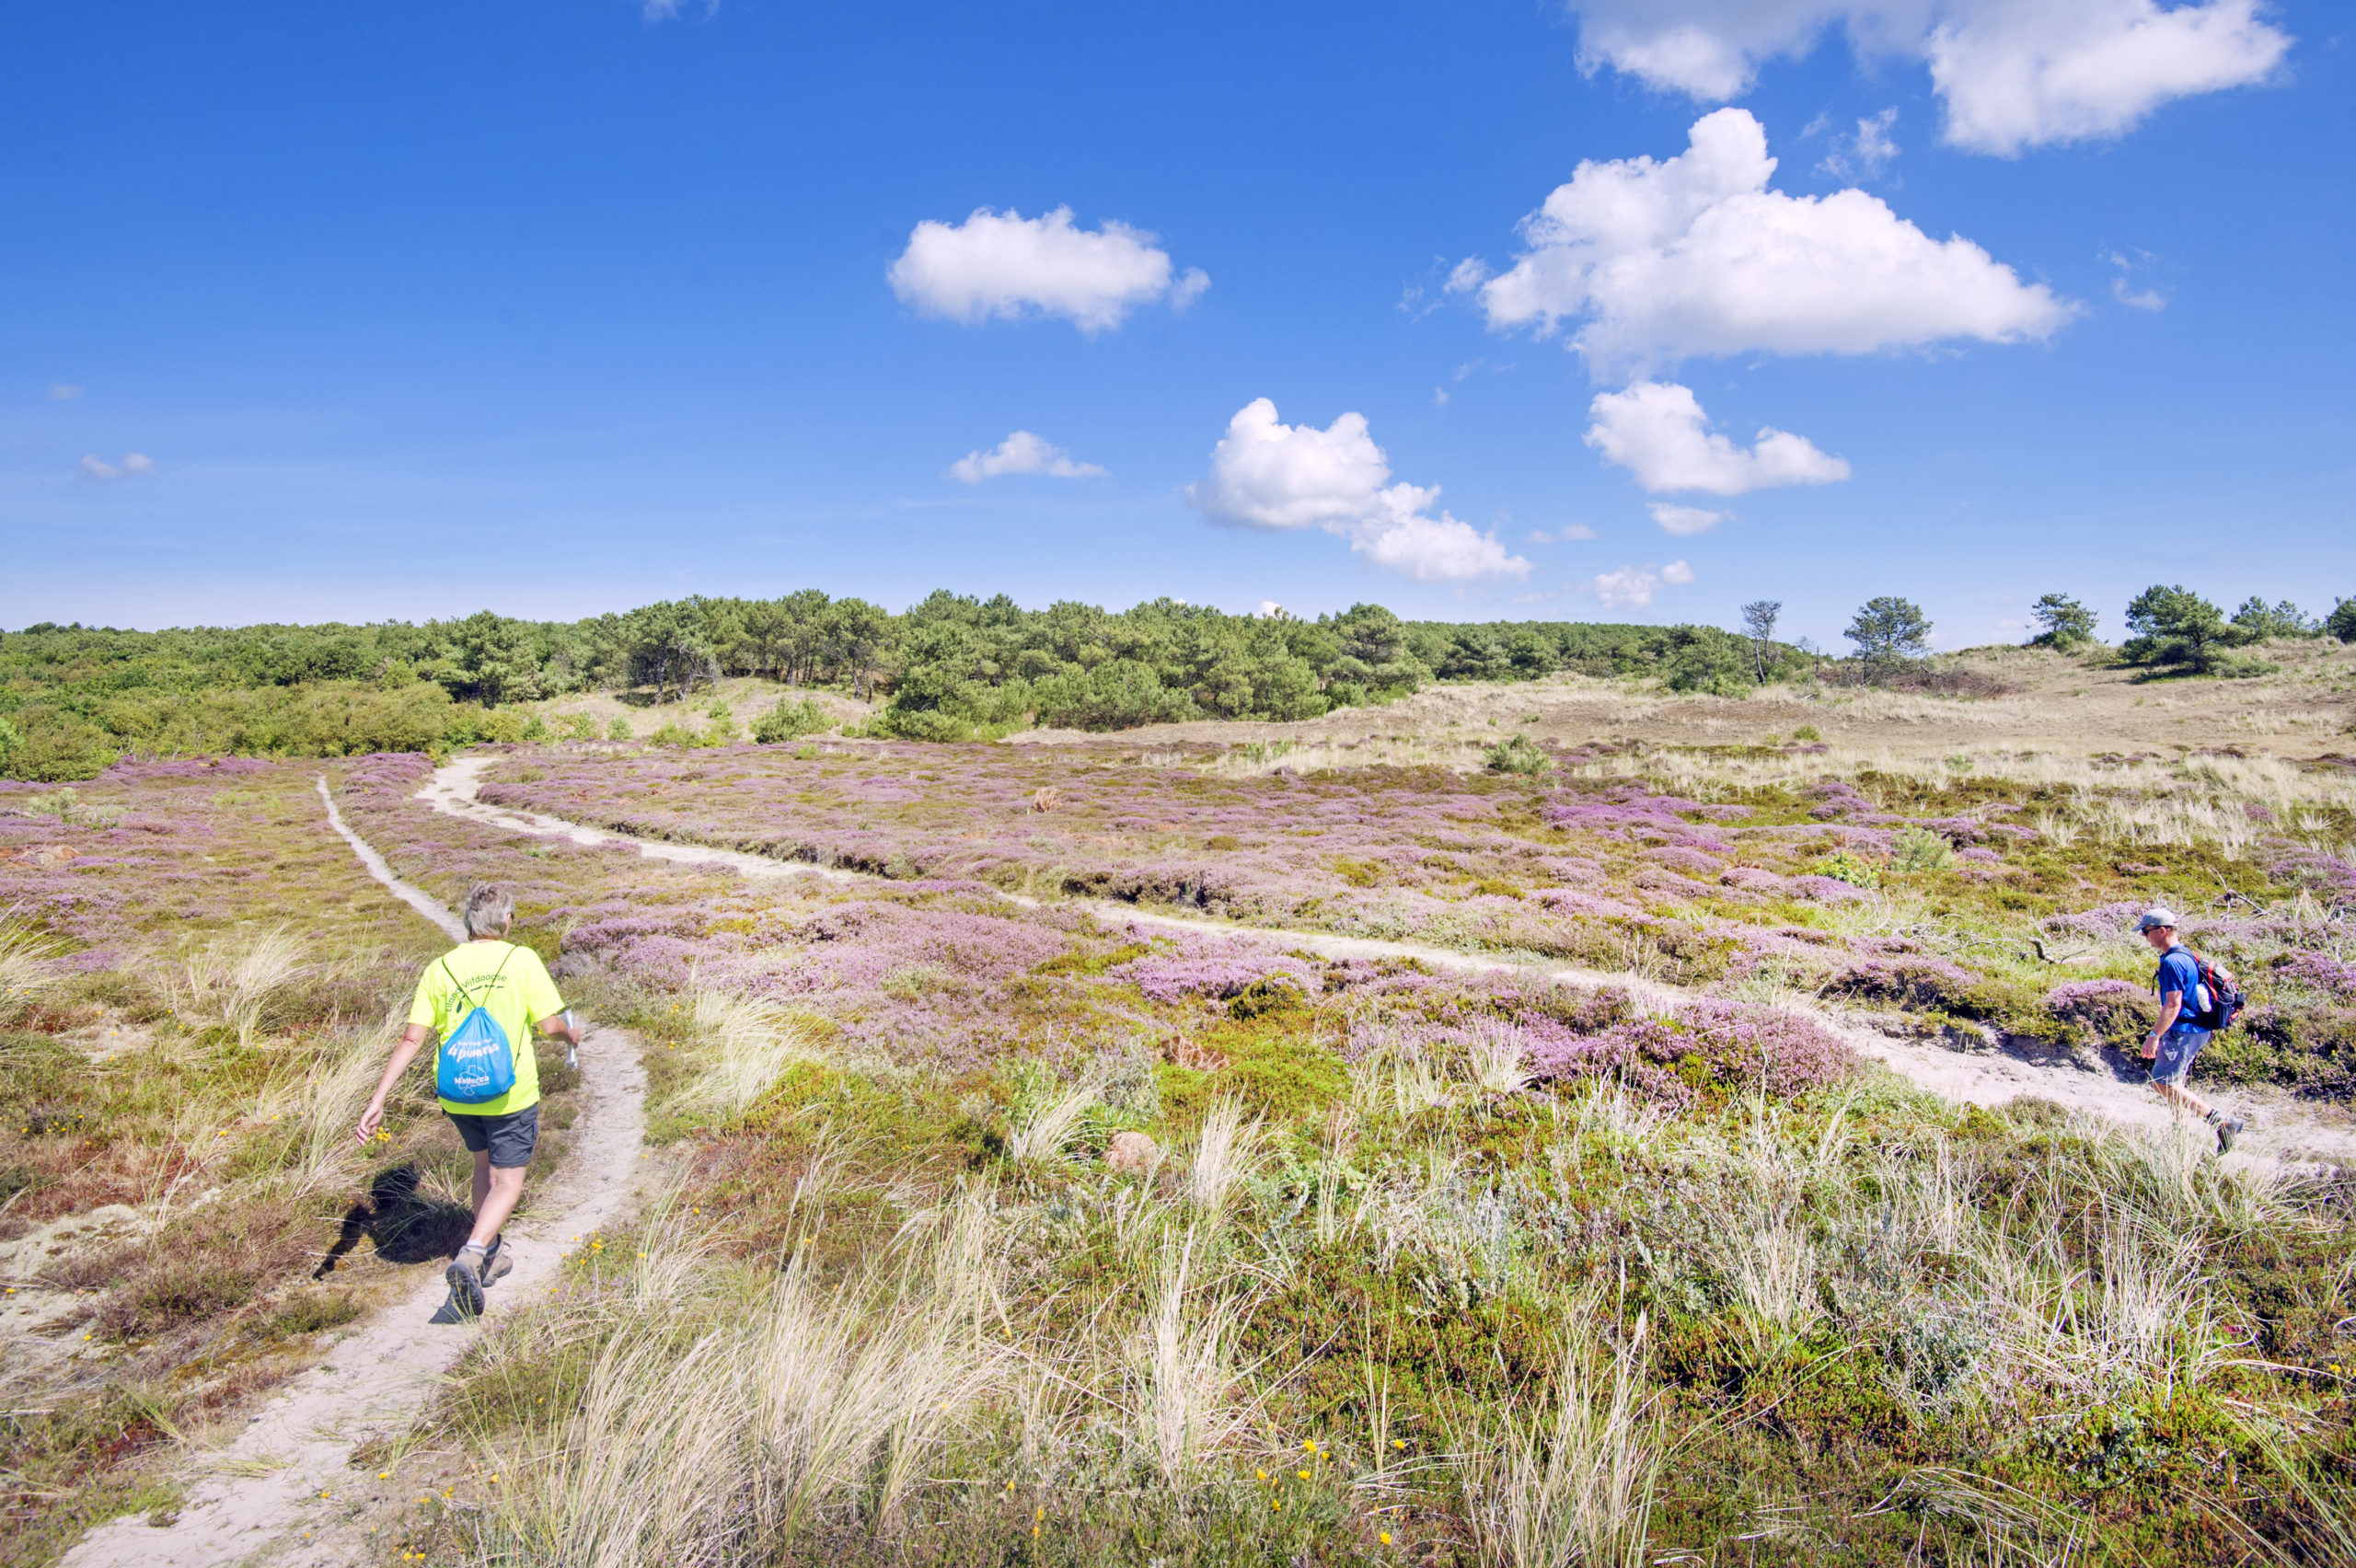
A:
(285, 1491)
(2284, 1130)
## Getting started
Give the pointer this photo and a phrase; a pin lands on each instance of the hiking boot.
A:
(2229, 1129)
(497, 1264)
(465, 1274)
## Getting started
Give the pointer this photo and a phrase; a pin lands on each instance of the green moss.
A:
(1272, 1064)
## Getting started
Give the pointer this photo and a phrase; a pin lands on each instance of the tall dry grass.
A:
(809, 1406)
(1047, 1122)
(747, 1044)
(27, 973)
(1567, 1482)
(1226, 1151)
(1183, 1383)
(240, 984)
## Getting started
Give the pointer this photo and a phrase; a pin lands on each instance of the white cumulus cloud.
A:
(1003, 264)
(1022, 453)
(1633, 587)
(2012, 74)
(2019, 74)
(135, 465)
(1656, 431)
(1267, 474)
(1683, 520)
(1694, 255)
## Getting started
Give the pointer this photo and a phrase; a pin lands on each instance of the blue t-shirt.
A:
(2180, 972)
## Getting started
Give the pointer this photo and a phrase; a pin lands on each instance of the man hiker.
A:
(486, 993)
(2174, 1042)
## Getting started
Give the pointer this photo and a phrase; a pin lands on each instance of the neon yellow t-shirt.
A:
(513, 984)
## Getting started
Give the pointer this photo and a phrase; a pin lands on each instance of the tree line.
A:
(2169, 627)
(73, 698)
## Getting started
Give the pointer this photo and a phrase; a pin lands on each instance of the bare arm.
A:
(556, 1025)
(405, 1051)
(2171, 1005)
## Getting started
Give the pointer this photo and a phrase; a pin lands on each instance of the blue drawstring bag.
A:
(476, 1062)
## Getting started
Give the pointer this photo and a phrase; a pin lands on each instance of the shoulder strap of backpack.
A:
(458, 986)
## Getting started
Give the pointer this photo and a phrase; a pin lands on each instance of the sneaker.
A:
(464, 1276)
(497, 1264)
(2228, 1130)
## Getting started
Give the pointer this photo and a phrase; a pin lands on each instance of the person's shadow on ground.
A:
(406, 1225)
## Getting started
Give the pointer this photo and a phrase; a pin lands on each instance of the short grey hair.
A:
(489, 911)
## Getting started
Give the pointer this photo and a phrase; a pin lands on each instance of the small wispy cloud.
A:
(1683, 520)
(1866, 153)
(1022, 453)
(2122, 287)
(1633, 587)
(1561, 535)
(62, 391)
(135, 465)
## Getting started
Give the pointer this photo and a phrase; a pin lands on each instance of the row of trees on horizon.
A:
(72, 698)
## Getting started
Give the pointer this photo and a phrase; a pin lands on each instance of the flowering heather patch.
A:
(2109, 1010)
(2108, 920)
(1608, 873)
(1910, 980)
(2321, 972)
(1219, 970)
(1563, 1036)
(1401, 854)
(2326, 874)
(179, 848)
(1628, 811)
(1838, 800)
(1692, 861)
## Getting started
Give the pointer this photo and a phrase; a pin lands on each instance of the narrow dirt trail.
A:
(2284, 1130)
(283, 1493)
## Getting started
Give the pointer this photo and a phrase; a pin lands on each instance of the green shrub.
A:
(312, 1311)
(790, 720)
(1918, 849)
(182, 1291)
(1518, 754)
(1857, 872)
(619, 729)
(1808, 733)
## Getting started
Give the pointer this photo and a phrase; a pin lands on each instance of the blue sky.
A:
(361, 312)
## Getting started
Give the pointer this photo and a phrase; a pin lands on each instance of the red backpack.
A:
(2225, 999)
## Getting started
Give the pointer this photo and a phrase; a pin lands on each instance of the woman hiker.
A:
(481, 1001)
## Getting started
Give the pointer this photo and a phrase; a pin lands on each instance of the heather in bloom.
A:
(1593, 872)
(2111, 1011)
(2320, 971)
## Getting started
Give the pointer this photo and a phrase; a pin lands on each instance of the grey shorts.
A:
(508, 1137)
(2177, 1047)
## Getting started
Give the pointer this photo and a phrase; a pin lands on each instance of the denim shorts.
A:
(2177, 1047)
(508, 1137)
